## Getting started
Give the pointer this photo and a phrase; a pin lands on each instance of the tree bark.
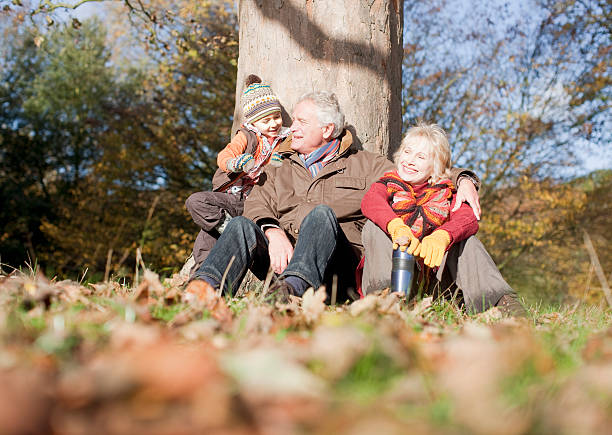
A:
(350, 47)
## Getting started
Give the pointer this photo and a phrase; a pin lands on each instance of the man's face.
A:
(307, 135)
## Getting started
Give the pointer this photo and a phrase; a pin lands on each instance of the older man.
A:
(303, 219)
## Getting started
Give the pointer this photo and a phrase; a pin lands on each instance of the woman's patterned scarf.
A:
(424, 212)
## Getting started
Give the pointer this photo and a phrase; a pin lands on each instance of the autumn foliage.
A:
(108, 124)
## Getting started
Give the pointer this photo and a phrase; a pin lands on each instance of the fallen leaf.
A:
(258, 319)
(423, 306)
(336, 349)
(200, 295)
(270, 372)
(490, 316)
(364, 305)
(150, 286)
(25, 402)
(313, 304)
(133, 335)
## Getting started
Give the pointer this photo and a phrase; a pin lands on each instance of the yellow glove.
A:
(433, 247)
(402, 236)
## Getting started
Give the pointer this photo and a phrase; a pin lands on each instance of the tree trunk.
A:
(350, 47)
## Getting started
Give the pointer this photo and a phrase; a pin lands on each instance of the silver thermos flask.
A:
(402, 271)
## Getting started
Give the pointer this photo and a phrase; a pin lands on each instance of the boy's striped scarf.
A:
(262, 154)
(320, 157)
(264, 149)
(424, 212)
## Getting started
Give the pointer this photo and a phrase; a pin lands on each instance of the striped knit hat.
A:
(258, 100)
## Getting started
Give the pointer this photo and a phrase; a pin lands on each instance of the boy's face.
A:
(415, 162)
(270, 125)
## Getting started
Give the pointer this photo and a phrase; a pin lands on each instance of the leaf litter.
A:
(106, 358)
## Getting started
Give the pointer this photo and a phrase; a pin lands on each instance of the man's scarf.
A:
(320, 157)
(423, 212)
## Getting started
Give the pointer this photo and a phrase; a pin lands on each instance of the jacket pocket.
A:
(350, 183)
(346, 195)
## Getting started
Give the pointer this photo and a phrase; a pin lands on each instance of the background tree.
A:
(300, 47)
(145, 138)
(50, 117)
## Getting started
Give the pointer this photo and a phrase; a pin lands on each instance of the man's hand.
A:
(466, 192)
(280, 249)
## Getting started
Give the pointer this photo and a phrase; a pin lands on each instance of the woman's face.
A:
(415, 162)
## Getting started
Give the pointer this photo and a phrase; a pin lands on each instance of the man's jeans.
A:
(319, 252)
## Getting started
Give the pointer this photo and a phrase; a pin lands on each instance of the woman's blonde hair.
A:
(437, 140)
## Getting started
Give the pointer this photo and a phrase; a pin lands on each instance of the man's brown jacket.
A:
(285, 194)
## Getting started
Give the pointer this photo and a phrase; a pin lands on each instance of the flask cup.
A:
(402, 270)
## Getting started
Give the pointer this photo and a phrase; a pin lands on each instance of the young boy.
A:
(240, 165)
(412, 205)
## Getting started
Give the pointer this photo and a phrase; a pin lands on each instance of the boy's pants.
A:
(208, 211)
(467, 265)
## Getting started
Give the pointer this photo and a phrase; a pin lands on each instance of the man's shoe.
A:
(509, 305)
(279, 291)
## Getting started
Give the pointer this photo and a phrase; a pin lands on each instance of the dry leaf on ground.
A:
(313, 304)
(271, 372)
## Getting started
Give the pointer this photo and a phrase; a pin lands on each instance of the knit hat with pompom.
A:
(258, 100)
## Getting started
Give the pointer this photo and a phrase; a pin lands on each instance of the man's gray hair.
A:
(328, 110)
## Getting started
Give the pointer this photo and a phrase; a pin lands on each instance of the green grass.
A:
(166, 313)
(60, 346)
(440, 411)
(36, 323)
(237, 305)
(518, 389)
(372, 374)
(566, 336)
(446, 312)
